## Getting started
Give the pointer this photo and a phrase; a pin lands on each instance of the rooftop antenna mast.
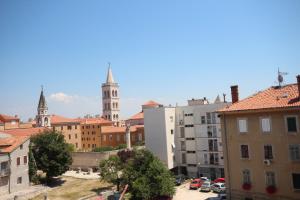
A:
(280, 77)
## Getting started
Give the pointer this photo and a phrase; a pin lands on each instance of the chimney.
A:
(298, 82)
(235, 93)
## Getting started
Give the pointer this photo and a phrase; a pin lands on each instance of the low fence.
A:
(86, 160)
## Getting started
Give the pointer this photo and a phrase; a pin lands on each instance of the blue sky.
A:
(168, 51)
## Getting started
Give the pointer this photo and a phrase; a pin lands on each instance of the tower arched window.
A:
(117, 116)
(46, 120)
(108, 95)
(116, 93)
(117, 105)
(113, 93)
(108, 116)
(114, 116)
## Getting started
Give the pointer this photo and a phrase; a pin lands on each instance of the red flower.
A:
(271, 189)
(246, 186)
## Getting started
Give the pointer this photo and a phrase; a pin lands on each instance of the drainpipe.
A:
(9, 173)
(227, 156)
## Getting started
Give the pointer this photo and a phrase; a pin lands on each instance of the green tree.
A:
(32, 167)
(51, 153)
(111, 170)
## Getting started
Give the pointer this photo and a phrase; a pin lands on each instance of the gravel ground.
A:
(183, 192)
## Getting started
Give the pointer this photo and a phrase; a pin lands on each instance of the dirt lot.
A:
(183, 192)
(68, 188)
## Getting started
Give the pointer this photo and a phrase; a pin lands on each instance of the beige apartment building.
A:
(261, 141)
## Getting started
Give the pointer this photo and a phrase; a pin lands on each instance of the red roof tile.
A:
(25, 131)
(115, 129)
(7, 118)
(151, 103)
(274, 97)
(56, 119)
(10, 143)
(98, 120)
(139, 115)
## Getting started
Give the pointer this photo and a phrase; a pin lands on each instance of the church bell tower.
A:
(42, 118)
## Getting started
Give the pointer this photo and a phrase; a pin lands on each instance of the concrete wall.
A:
(4, 178)
(159, 133)
(86, 160)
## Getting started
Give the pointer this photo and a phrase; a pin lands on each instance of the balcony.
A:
(4, 172)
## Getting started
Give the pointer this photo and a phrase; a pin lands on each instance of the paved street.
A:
(183, 192)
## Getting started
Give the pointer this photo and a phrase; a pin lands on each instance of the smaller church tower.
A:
(42, 118)
(110, 98)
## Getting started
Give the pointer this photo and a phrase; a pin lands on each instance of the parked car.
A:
(204, 179)
(219, 197)
(205, 186)
(218, 187)
(196, 183)
(219, 180)
(179, 179)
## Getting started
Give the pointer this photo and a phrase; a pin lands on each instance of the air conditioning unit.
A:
(267, 162)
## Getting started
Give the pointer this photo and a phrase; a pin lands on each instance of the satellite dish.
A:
(280, 77)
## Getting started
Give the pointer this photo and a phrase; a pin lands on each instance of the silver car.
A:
(218, 187)
(205, 186)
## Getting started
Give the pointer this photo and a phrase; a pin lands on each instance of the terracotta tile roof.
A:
(151, 103)
(56, 119)
(139, 115)
(25, 131)
(10, 143)
(114, 129)
(98, 120)
(274, 97)
(7, 118)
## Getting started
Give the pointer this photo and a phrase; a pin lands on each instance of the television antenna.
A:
(280, 77)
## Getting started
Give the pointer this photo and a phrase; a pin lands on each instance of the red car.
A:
(196, 183)
(219, 180)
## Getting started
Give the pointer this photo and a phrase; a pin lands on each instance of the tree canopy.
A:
(146, 176)
(51, 153)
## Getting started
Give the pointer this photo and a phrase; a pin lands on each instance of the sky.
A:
(167, 51)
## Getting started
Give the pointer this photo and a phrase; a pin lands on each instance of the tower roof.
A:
(42, 101)
(110, 78)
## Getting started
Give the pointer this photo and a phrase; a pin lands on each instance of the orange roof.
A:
(274, 97)
(116, 129)
(56, 119)
(139, 115)
(7, 118)
(25, 131)
(98, 120)
(151, 103)
(10, 143)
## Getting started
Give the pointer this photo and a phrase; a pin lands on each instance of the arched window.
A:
(108, 95)
(108, 116)
(46, 120)
(117, 116)
(113, 93)
(116, 105)
(114, 116)
(116, 93)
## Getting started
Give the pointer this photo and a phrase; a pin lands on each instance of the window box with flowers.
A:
(246, 186)
(271, 189)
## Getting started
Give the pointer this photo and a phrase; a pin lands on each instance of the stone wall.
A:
(85, 160)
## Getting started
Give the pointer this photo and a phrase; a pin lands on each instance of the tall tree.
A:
(51, 153)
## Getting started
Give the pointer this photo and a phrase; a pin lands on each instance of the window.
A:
(171, 118)
(89, 145)
(183, 158)
(191, 151)
(182, 144)
(205, 159)
(182, 134)
(69, 127)
(76, 144)
(110, 137)
(76, 136)
(213, 158)
(242, 124)
(4, 166)
(189, 125)
(291, 123)
(21, 146)
(296, 181)
(25, 160)
(69, 137)
(213, 145)
(270, 179)
(83, 145)
(208, 118)
(244, 151)
(294, 151)
(140, 137)
(202, 119)
(172, 131)
(118, 138)
(75, 126)
(246, 176)
(19, 180)
(190, 138)
(268, 151)
(265, 125)
(18, 161)
(104, 137)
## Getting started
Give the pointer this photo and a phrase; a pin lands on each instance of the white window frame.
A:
(266, 178)
(243, 176)
(289, 152)
(286, 124)
(246, 125)
(272, 146)
(262, 125)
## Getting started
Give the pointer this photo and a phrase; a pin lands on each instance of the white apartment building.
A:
(159, 133)
(192, 142)
(198, 143)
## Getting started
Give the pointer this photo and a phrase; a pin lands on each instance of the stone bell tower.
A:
(42, 118)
